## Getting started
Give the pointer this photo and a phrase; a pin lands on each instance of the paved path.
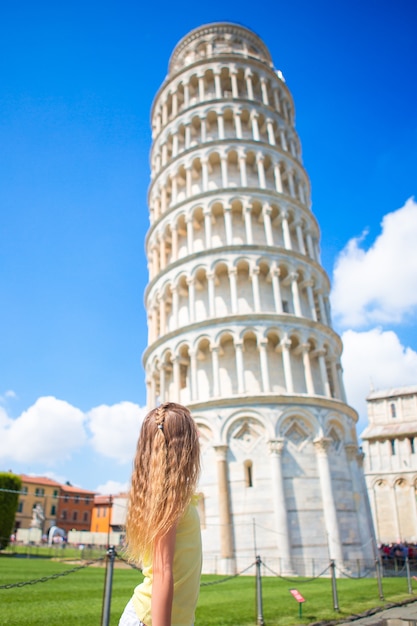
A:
(404, 615)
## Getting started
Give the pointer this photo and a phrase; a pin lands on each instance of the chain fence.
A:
(331, 570)
(45, 579)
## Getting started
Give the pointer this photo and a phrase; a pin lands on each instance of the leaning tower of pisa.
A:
(239, 317)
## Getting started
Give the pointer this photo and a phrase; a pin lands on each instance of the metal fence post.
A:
(378, 575)
(108, 581)
(260, 618)
(334, 586)
(407, 567)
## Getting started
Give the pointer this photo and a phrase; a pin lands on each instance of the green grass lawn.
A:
(76, 599)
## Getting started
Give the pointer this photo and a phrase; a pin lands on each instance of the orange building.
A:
(41, 492)
(75, 508)
(102, 513)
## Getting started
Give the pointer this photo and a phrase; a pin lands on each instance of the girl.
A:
(162, 525)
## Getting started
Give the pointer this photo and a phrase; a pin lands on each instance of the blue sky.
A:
(77, 86)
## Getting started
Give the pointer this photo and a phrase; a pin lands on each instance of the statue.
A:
(38, 517)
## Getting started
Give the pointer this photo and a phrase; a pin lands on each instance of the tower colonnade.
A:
(239, 316)
(233, 286)
(221, 81)
(226, 167)
(219, 123)
(237, 220)
(277, 361)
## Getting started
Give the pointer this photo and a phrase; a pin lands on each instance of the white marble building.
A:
(390, 447)
(239, 317)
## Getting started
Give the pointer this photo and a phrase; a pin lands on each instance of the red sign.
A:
(297, 595)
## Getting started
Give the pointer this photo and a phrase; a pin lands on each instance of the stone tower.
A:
(239, 317)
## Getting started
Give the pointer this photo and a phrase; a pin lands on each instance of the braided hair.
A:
(165, 474)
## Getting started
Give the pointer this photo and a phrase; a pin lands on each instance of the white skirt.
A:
(129, 617)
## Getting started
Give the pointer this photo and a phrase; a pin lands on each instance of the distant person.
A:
(162, 526)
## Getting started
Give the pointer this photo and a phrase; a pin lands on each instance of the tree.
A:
(10, 485)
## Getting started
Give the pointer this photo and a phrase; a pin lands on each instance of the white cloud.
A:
(375, 359)
(378, 285)
(112, 487)
(115, 429)
(49, 431)
(9, 394)
(59, 478)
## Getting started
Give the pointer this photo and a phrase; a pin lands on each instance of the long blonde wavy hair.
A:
(164, 478)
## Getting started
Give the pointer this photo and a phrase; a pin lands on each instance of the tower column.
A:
(228, 224)
(217, 85)
(283, 139)
(270, 131)
(248, 224)
(254, 273)
(215, 363)
(261, 170)
(329, 506)
(276, 447)
(239, 367)
(226, 529)
(193, 368)
(308, 284)
(204, 174)
(203, 130)
(201, 94)
(238, 124)
(300, 239)
(207, 227)
(321, 307)
(223, 165)
(266, 387)
(174, 243)
(249, 87)
(310, 246)
(176, 377)
(162, 382)
(233, 80)
(211, 294)
(278, 179)
(155, 259)
(342, 387)
(191, 298)
(175, 305)
(187, 138)
(233, 288)
(295, 294)
(175, 144)
(220, 125)
(242, 169)
(162, 252)
(323, 372)
(335, 378)
(365, 529)
(162, 314)
(286, 360)
(275, 272)
(255, 127)
(266, 210)
(190, 234)
(286, 230)
(174, 188)
(305, 347)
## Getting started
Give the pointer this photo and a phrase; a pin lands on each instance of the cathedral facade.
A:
(239, 317)
(390, 447)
